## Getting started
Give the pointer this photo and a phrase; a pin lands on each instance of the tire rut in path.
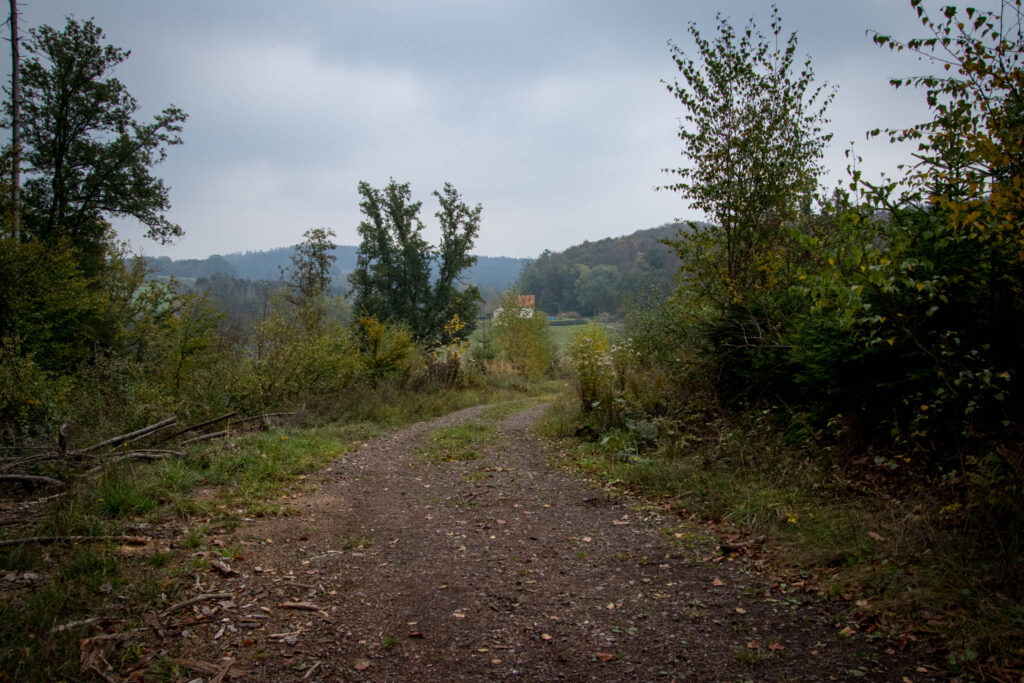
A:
(499, 567)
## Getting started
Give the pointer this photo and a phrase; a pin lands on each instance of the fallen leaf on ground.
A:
(754, 645)
(458, 615)
(361, 665)
(604, 656)
(545, 636)
(776, 646)
(740, 610)
(847, 632)
(717, 582)
(619, 522)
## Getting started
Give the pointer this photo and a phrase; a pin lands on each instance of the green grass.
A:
(78, 587)
(356, 542)
(500, 410)
(561, 335)
(457, 442)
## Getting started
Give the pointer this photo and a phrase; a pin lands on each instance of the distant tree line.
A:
(602, 276)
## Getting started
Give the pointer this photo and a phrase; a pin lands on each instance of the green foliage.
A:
(388, 351)
(190, 364)
(87, 156)
(47, 304)
(601, 276)
(588, 353)
(483, 344)
(392, 279)
(29, 396)
(752, 135)
(598, 289)
(521, 338)
(309, 276)
(613, 389)
(291, 361)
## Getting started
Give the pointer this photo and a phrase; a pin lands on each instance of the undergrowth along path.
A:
(455, 550)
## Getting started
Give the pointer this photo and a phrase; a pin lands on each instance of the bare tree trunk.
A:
(15, 126)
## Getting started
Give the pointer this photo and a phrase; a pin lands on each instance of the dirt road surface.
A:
(502, 566)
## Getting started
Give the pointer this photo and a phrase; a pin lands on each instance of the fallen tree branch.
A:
(195, 427)
(135, 455)
(15, 463)
(223, 671)
(37, 501)
(207, 437)
(152, 452)
(150, 433)
(73, 624)
(192, 601)
(31, 479)
(130, 540)
(308, 606)
(117, 440)
(102, 674)
(259, 417)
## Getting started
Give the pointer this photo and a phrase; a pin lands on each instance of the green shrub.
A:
(30, 398)
(388, 351)
(522, 338)
(588, 353)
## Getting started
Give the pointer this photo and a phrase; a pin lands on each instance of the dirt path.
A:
(492, 568)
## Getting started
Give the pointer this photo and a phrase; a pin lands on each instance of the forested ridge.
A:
(604, 276)
(495, 272)
(826, 382)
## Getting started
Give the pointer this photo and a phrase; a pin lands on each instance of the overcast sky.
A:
(550, 113)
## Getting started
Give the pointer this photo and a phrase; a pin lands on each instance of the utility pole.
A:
(15, 126)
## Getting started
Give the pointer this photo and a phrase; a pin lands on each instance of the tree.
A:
(309, 276)
(87, 157)
(599, 289)
(393, 276)
(15, 125)
(752, 134)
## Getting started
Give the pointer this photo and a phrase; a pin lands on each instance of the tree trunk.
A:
(15, 126)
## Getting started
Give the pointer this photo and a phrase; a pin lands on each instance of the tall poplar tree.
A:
(400, 276)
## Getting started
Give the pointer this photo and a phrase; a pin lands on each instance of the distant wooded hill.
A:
(602, 276)
(497, 272)
(589, 278)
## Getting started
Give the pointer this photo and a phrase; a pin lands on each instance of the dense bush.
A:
(521, 338)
